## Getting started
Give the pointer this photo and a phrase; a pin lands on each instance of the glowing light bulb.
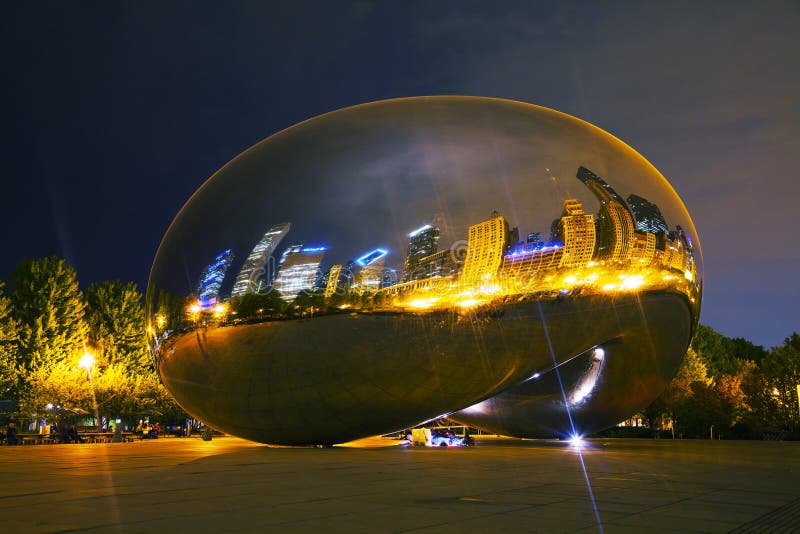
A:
(576, 441)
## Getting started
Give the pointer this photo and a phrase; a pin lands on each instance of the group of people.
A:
(64, 433)
(147, 431)
(10, 435)
(68, 434)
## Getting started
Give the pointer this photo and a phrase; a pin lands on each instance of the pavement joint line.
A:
(490, 514)
(787, 515)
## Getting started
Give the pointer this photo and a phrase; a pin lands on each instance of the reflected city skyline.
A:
(625, 246)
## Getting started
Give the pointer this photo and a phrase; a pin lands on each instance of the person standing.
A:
(11, 434)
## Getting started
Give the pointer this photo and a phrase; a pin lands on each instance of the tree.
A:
(674, 403)
(781, 376)
(49, 307)
(116, 321)
(730, 389)
(9, 377)
(257, 306)
(723, 354)
(63, 385)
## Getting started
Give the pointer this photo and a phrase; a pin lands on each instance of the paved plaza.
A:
(501, 485)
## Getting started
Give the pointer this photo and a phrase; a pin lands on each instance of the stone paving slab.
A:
(502, 485)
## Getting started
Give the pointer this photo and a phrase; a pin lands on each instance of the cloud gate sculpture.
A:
(506, 265)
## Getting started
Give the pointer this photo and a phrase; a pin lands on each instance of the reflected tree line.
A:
(726, 387)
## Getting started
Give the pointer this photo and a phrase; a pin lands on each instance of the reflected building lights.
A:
(208, 290)
(251, 278)
(297, 270)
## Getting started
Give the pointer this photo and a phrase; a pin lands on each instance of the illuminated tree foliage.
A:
(780, 375)
(723, 354)
(8, 349)
(49, 308)
(46, 325)
(734, 386)
(115, 316)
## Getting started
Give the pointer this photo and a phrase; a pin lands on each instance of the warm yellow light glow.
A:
(420, 303)
(469, 303)
(609, 287)
(570, 279)
(86, 361)
(194, 307)
(220, 309)
(688, 275)
(344, 306)
(160, 320)
(632, 282)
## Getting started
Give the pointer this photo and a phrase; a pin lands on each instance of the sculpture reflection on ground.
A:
(523, 335)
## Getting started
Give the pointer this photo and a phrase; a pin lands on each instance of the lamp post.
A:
(87, 362)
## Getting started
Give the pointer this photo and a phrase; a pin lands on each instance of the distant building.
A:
(534, 237)
(678, 253)
(208, 290)
(443, 264)
(486, 242)
(648, 218)
(644, 248)
(370, 273)
(525, 263)
(254, 275)
(297, 270)
(390, 277)
(578, 233)
(512, 239)
(614, 224)
(423, 242)
(601, 189)
(332, 280)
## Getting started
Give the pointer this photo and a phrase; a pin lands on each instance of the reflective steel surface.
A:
(510, 266)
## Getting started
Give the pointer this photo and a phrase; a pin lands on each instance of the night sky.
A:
(115, 112)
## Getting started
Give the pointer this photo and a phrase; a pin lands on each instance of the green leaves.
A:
(46, 325)
(116, 322)
(49, 309)
(733, 385)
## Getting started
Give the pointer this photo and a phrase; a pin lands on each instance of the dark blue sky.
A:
(115, 112)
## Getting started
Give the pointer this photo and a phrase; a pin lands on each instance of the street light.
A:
(87, 362)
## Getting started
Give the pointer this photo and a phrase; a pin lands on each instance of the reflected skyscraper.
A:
(577, 232)
(212, 277)
(389, 278)
(614, 220)
(601, 189)
(370, 275)
(486, 242)
(647, 215)
(648, 218)
(332, 280)
(251, 278)
(423, 242)
(297, 270)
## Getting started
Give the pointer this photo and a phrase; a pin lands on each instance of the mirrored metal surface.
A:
(378, 266)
